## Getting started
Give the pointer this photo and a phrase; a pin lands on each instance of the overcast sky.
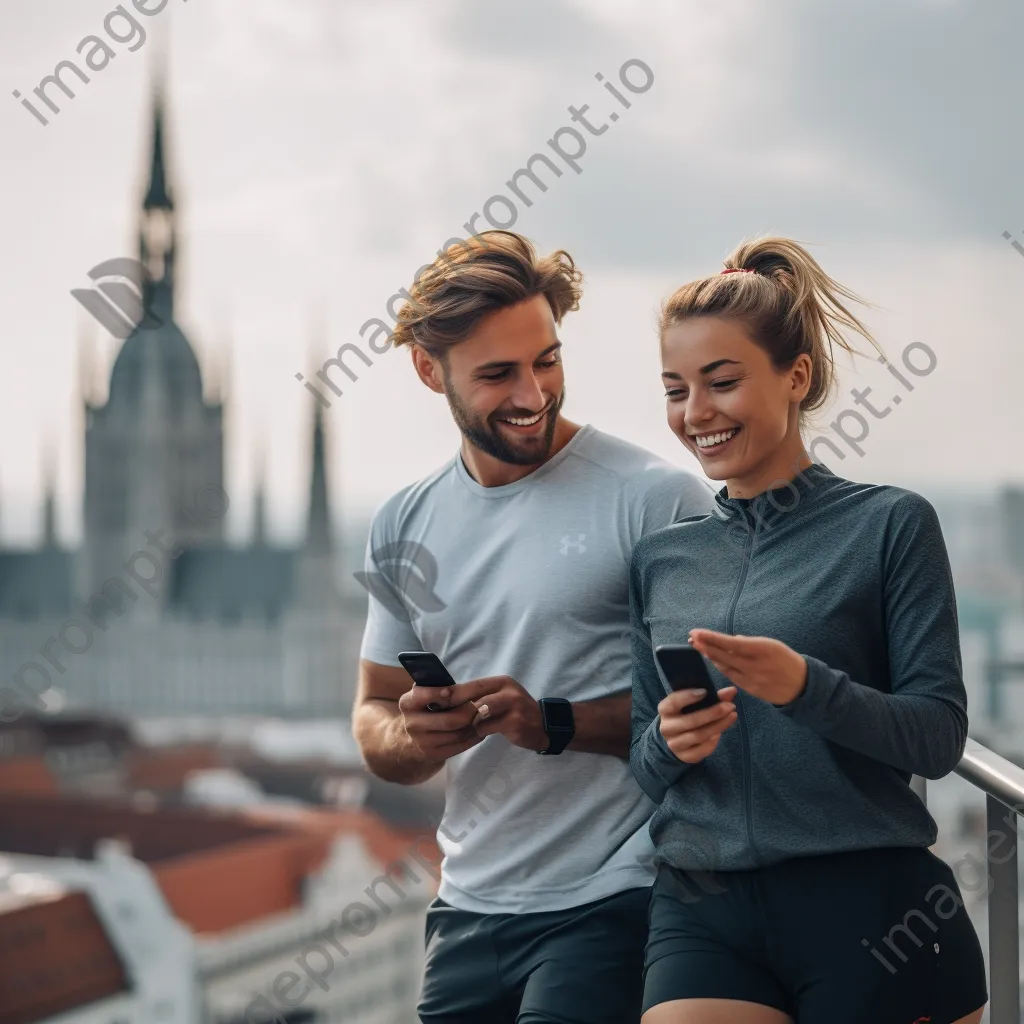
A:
(321, 150)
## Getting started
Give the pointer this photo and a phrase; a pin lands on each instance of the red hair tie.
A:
(738, 270)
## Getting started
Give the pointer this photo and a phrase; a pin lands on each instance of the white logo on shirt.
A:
(564, 544)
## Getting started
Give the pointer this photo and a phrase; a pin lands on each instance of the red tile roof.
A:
(216, 869)
(167, 768)
(54, 956)
(26, 775)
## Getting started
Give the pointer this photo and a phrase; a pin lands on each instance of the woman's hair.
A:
(468, 281)
(788, 304)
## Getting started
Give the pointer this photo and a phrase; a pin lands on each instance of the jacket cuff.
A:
(811, 706)
(661, 768)
(670, 768)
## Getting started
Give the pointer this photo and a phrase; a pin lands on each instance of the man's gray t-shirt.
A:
(532, 581)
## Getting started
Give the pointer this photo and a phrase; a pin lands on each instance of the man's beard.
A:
(488, 437)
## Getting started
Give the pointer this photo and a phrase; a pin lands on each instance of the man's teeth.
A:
(529, 422)
(712, 439)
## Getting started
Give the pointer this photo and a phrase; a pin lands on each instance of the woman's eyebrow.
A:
(716, 364)
(704, 369)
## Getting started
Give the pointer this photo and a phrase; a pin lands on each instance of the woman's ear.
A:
(800, 377)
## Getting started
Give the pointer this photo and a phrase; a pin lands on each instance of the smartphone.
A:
(426, 669)
(684, 669)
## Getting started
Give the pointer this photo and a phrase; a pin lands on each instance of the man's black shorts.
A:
(877, 936)
(583, 965)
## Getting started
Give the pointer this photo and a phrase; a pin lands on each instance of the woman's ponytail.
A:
(786, 301)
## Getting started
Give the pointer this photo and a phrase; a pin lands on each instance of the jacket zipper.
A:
(748, 800)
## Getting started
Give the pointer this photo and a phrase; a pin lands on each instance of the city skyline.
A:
(296, 227)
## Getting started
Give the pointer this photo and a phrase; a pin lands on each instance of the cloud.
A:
(530, 30)
(330, 158)
(885, 119)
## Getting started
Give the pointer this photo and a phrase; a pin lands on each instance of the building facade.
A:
(156, 613)
(198, 918)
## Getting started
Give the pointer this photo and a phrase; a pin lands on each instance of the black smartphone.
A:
(684, 669)
(426, 669)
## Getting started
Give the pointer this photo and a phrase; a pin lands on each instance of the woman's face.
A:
(726, 401)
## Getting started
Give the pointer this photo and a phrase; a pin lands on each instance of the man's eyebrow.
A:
(704, 369)
(502, 364)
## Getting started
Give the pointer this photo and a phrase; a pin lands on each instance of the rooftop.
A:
(54, 955)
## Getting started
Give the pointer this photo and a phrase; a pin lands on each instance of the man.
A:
(542, 905)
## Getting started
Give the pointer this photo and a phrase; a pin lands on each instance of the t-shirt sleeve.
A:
(388, 627)
(666, 495)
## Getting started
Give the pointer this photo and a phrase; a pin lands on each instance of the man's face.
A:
(505, 385)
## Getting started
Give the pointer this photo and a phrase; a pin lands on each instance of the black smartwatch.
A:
(559, 724)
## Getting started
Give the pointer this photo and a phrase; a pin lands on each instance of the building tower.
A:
(314, 667)
(156, 442)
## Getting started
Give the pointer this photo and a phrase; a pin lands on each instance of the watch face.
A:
(558, 715)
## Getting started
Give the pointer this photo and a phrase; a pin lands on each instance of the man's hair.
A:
(455, 292)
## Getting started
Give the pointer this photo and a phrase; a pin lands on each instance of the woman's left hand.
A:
(763, 667)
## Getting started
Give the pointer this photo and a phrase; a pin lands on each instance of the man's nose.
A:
(528, 394)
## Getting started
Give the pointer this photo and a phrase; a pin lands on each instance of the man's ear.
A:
(428, 369)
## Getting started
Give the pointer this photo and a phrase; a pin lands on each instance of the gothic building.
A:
(156, 613)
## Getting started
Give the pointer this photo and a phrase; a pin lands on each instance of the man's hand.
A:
(504, 706)
(692, 735)
(762, 666)
(438, 734)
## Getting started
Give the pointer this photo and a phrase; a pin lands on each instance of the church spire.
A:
(156, 227)
(318, 523)
(158, 196)
(259, 516)
(259, 511)
(49, 499)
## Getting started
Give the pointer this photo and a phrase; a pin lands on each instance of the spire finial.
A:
(158, 195)
(259, 515)
(49, 469)
(157, 234)
(318, 528)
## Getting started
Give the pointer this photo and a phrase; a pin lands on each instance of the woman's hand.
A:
(763, 667)
(692, 735)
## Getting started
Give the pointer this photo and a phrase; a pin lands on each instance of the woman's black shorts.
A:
(877, 936)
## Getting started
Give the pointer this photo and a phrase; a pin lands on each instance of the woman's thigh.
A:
(714, 1011)
(730, 1011)
(879, 935)
(705, 952)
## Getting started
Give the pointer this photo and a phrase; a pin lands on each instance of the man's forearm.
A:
(388, 750)
(603, 725)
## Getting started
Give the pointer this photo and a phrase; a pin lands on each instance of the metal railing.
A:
(1002, 782)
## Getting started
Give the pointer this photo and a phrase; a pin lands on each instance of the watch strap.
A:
(558, 739)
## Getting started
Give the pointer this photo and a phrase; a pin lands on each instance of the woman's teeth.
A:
(711, 440)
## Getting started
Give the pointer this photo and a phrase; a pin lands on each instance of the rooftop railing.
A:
(1002, 782)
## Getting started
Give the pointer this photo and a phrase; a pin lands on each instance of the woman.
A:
(825, 611)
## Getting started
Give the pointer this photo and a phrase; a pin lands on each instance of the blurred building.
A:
(77, 754)
(114, 913)
(984, 535)
(1011, 509)
(56, 957)
(156, 613)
